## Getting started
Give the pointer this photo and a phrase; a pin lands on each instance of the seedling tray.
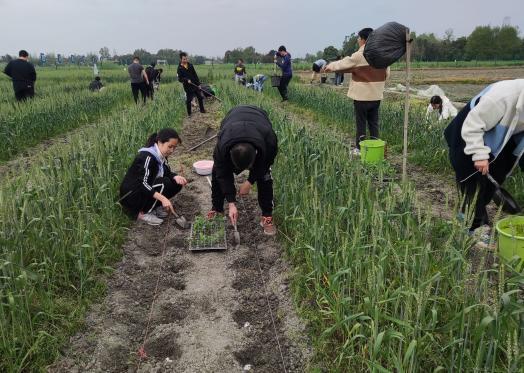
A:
(208, 235)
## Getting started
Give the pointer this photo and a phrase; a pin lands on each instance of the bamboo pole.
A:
(406, 107)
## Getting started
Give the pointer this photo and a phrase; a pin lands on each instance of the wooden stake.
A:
(406, 107)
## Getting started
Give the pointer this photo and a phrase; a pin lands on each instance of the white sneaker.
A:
(160, 212)
(150, 219)
(356, 152)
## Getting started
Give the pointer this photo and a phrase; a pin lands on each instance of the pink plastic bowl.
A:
(203, 167)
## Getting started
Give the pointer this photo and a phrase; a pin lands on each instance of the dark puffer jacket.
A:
(244, 124)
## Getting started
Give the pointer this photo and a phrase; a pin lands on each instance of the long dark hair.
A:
(164, 135)
(437, 100)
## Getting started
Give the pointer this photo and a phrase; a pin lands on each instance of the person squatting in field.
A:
(441, 108)
(246, 141)
(139, 80)
(96, 85)
(283, 60)
(487, 137)
(23, 74)
(149, 183)
(189, 79)
(366, 88)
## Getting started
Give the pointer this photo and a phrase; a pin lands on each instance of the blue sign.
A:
(59, 59)
(42, 58)
(72, 59)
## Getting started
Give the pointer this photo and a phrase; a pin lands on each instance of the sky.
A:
(210, 27)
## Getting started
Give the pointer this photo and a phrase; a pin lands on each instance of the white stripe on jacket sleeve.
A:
(146, 174)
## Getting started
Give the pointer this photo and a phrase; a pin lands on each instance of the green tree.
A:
(330, 53)
(481, 44)
(350, 45)
(145, 57)
(104, 53)
(508, 43)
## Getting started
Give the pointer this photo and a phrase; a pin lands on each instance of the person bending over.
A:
(487, 137)
(246, 141)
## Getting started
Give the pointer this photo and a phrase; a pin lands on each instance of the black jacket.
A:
(249, 124)
(188, 74)
(22, 73)
(141, 175)
(95, 85)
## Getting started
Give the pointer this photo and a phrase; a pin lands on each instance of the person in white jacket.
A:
(487, 137)
(441, 108)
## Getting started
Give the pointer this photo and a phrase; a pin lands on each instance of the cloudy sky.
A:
(210, 27)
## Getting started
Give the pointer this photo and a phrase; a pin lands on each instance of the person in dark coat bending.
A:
(189, 78)
(246, 141)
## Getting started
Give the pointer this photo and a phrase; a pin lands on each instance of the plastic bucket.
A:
(203, 167)
(372, 150)
(511, 237)
(275, 80)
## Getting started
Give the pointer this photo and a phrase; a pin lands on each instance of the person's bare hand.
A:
(482, 166)
(233, 213)
(180, 180)
(326, 69)
(245, 188)
(168, 206)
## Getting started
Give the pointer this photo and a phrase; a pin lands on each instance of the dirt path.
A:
(211, 313)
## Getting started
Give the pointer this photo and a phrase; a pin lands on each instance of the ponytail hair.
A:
(164, 135)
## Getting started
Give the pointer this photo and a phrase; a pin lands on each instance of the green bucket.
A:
(372, 151)
(511, 237)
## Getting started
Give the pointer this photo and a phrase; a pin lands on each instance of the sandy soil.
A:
(211, 312)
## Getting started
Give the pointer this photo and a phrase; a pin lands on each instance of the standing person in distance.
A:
(366, 88)
(151, 73)
(139, 80)
(189, 78)
(339, 77)
(23, 74)
(149, 183)
(240, 72)
(283, 60)
(246, 141)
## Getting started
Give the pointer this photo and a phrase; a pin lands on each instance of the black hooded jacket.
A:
(188, 74)
(244, 124)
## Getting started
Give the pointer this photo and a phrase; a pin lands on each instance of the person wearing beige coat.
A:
(366, 87)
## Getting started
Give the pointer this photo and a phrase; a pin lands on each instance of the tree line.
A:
(484, 43)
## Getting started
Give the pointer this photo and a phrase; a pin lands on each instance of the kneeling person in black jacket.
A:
(149, 183)
(246, 141)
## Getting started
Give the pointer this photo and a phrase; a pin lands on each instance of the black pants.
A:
(150, 90)
(478, 185)
(189, 97)
(138, 201)
(264, 188)
(136, 87)
(366, 112)
(282, 88)
(24, 94)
